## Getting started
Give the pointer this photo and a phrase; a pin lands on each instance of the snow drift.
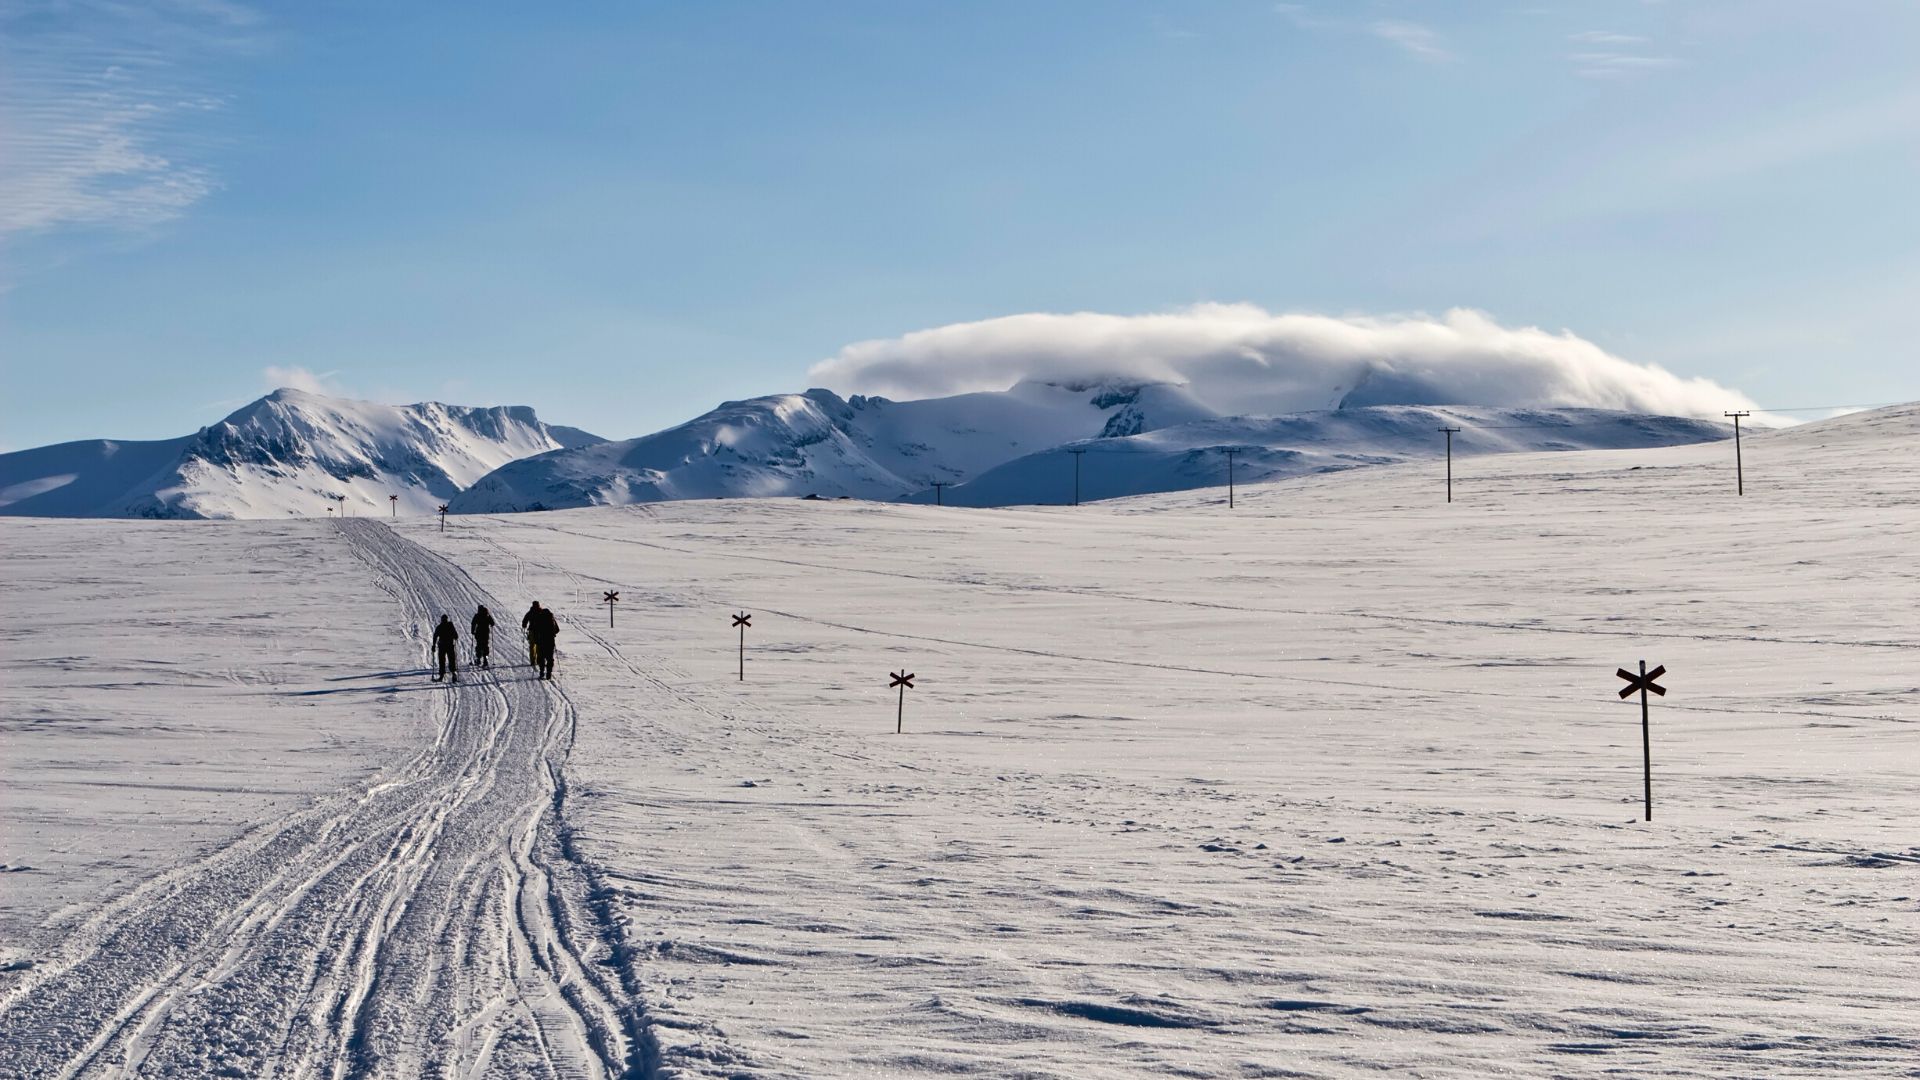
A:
(1240, 359)
(291, 452)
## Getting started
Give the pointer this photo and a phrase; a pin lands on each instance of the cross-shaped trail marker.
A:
(904, 680)
(743, 620)
(1643, 682)
(443, 517)
(610, 599)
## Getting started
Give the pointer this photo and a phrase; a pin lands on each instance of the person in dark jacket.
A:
(482, 627)
(527, 622)
(444, 639)
(544, 631)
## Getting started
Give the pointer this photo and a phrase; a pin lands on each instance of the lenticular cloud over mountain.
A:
(1240, 358)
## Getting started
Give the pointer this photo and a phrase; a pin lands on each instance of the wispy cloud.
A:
(1615, 65)
(104, 109)
(295, 377)
(1415, 39)
(1606, 37)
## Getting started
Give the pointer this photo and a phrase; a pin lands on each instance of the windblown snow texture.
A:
(291, 452)
(1011, 448)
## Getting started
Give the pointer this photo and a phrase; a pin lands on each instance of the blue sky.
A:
(623, 214)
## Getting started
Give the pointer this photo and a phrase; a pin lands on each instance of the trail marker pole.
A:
(343, 505)
(1077, 455)
(939, 486)
(1739, 470)
(1451, 431)
(393, 506)
(329, 511)
(443, 517)
(743, 620)
(1230, 454)
(904, 680)
(1643, 682)
(611, 599)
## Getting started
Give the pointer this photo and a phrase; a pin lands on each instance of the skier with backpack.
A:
(527, 622)
(482, 627)
(544, 630)
(444, 639)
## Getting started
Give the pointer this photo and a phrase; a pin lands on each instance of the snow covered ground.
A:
(1332, 784)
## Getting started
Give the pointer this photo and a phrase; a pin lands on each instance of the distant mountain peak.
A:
(289, 452)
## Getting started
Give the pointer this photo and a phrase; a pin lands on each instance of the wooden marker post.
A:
(610, 599)
(938, 487)
(1643, 682)
(904, 680)
(1077, 455)
(443, 517)
(1451, 432)
(1230, 454)
(743, 620)
(393, 506)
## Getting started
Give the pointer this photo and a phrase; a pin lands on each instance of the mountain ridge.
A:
(288, 452)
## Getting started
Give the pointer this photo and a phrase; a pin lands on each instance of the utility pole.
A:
(1077, 455)
(1739, 470)
(1451, 431)
(938, 486)
(1230, 454)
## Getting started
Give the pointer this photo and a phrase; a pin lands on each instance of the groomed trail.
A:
(436, 923)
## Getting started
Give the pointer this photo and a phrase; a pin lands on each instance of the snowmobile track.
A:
(438, 922)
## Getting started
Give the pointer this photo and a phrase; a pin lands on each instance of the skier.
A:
(527, 622)
(482, 627)
(444, 637)
(544, 630)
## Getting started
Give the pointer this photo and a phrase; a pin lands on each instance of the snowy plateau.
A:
(1014, 447)
(1332, 784)
(291, 452)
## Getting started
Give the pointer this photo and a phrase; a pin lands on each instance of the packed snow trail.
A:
(436, 923)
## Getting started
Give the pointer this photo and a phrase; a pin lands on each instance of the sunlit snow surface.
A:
(1333, 784)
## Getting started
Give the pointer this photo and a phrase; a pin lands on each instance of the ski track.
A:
(437, 923)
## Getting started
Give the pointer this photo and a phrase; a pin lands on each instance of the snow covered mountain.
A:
(1193, 455)
(818, 443)
(1012, 448)
(290, 452)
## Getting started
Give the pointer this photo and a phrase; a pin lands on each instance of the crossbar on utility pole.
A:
(1739, 470)
(1077, 455)
(1230, 454)
(1451, 432)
